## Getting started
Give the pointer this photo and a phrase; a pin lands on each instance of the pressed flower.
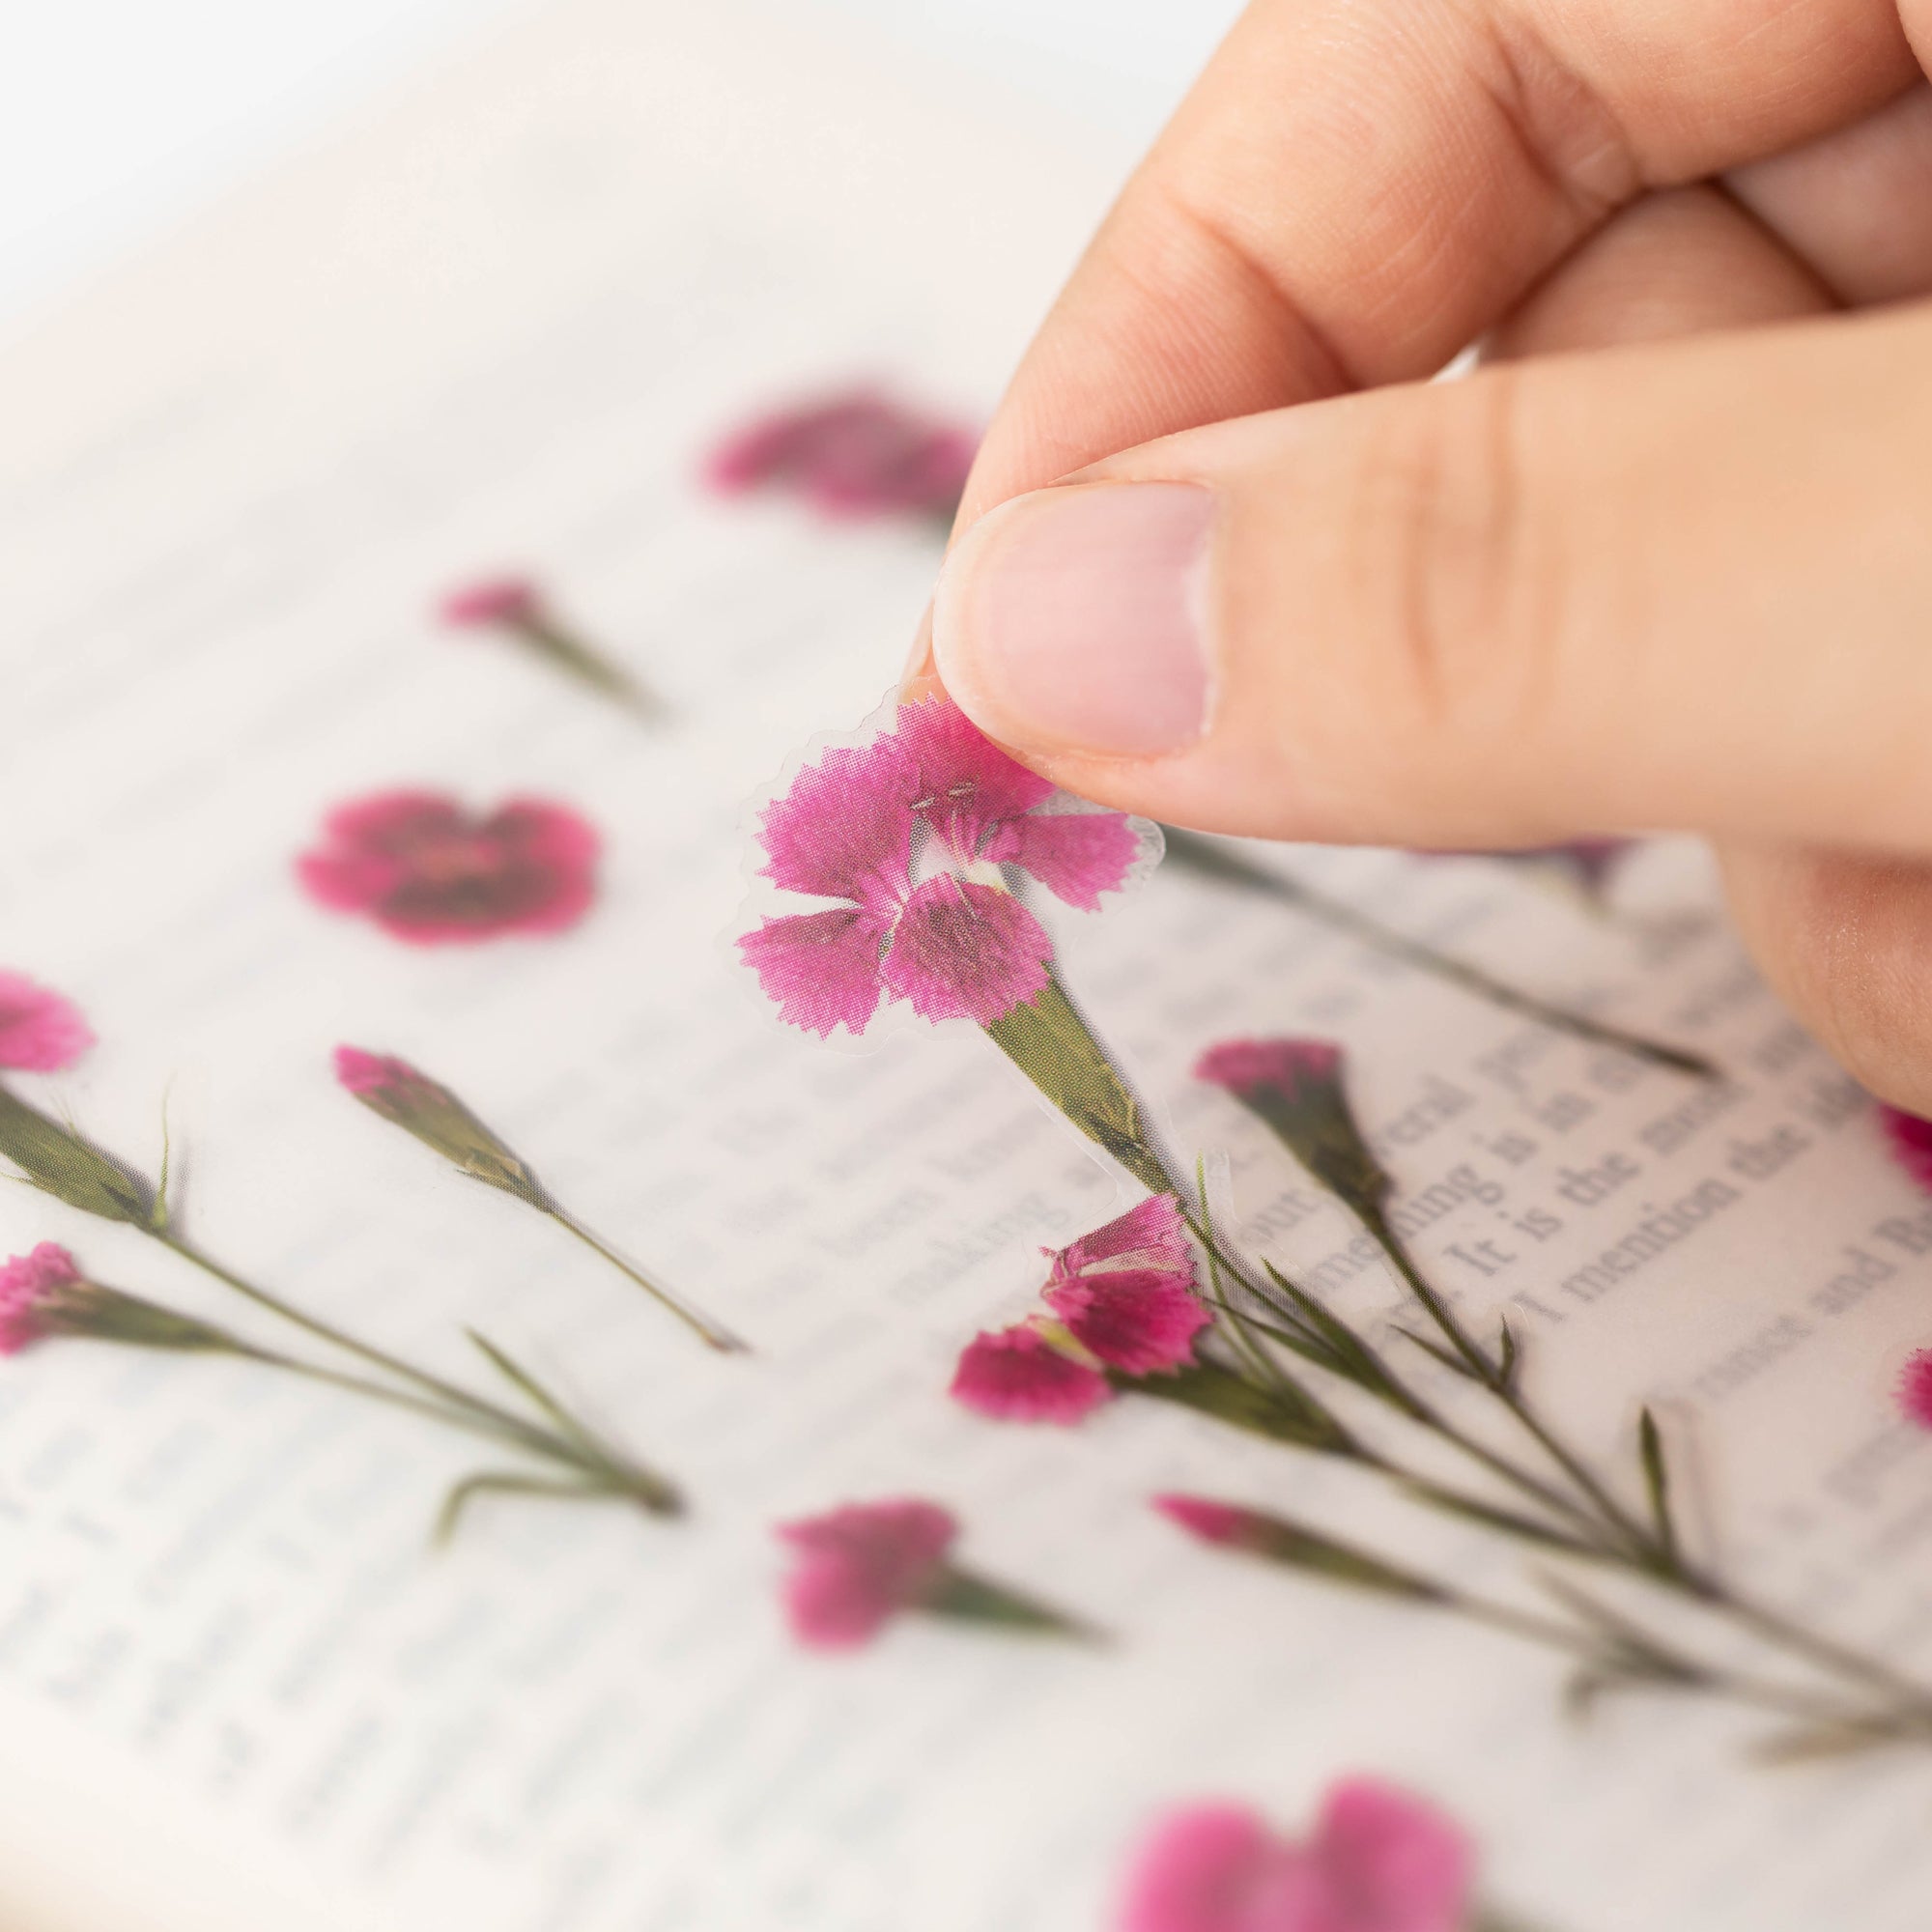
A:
(1150, 1234)
(428, 871)
(408, 1097)
(515, 608)
(1019, 1375)
(859, 454)
(40, 1030)
(1915, 1388)
(421, 1106)
(1378, 1861)
(43, 1294)
(907, 833)
(861, 1566)
(60, 1160)
(1225, 1525)
(1294, 1085)
(1911, 1142)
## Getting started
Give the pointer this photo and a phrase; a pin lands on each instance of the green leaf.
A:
(1491, 1516)
(1448, 1357)
(1278, 1539)
(976, 1599)
(1656, 1482)
(1508, 1366)
(1284, 1412)
(1350, 1355)
(505, 1483)
(522, 1379)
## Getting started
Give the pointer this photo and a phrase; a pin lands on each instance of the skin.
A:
(1663, 562)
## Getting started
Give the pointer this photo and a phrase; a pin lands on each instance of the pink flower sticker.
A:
(1915, 1388)
(491, 602)
(907, 834)
(1911, 1142)
(39, 1032)
(1378, 1860)
(1018, 1375)
(849, 456)
(430, 872)
(29, 1284)
(1287, 1067)
(860, 1566)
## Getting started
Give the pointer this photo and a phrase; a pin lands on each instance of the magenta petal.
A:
(1137, 1320)
(1393, 1863)
(1014, 1375)
(1911, 1140)
(40, 1030)
(844, 829)
(861, 1565)
(1915, 1388)
(27, 1284)
(1218, 1868)
(1151, 1233)
(821, 968)
(1076, 855)
(962, 951)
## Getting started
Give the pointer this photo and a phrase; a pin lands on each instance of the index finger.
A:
(1357, 188)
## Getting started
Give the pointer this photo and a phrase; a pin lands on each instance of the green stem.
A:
(1638, 1537)
(1215, 861)
(708, 1332)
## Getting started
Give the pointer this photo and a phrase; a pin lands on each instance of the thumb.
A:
(1684, 587)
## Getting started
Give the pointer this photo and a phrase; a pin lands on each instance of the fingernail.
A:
(918, 661)
(1075, 619)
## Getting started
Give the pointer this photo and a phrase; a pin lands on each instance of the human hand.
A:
(1681, 584)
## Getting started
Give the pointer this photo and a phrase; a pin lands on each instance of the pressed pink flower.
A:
(491, 601)
(1915, 1388)
(428, 871)
(855, 455)
(1017, 1375)
(1378, 1860)
(894, 831)
(1294, 1085)
(1225, 1525)
(860, 1566)
(1151, 1234)
(29, 1284)
(1910, 1141)
(1290, 1066)
(1138, 1321)
(39, 1032)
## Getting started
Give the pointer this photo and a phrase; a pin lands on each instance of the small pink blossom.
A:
(1915, 1388)
(1248, 1066)
(1378, 1860)
(907, 834)
(1150, 1234)
(428, 871)
(39, 1032)
(860, 1566)
(1911, 1140)
(855, 455)
(29, 1284)
(1225, 1525)
(491, 602)
(363, 1073)
(1018, 1375)
(1138, 1321)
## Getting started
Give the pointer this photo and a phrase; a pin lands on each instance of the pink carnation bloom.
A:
(361, 1072)
(858, 1567)
(428, 872)
(1378, 1860)
(39, 1032)
(856, 455)
(1150, 1234)
(1915, 1388)
(1910, 1141)
(1125, 1292)
(490, 602)
(1245, 1066)
(1225, 1525)
(28, 1283)
(906, 834)
(1018, 1375)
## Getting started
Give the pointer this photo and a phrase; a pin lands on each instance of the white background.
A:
(118, 117)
